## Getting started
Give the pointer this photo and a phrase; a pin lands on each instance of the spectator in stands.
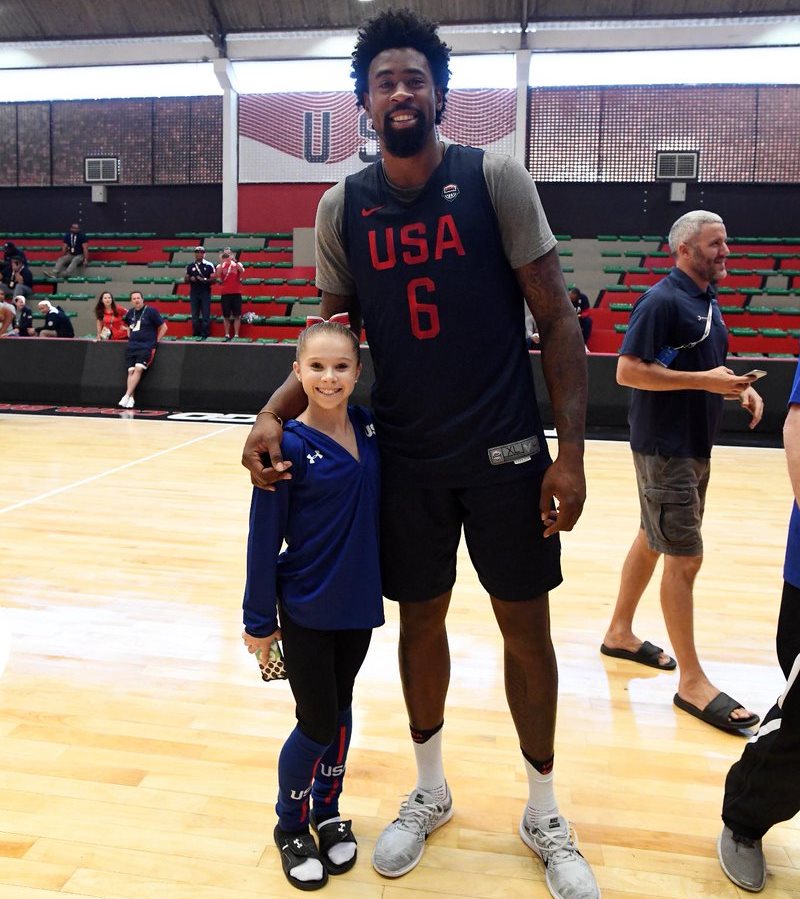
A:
(10, 251)
(229, 276)
(763, 787)
(673, 355)
(146, 327)
(20, 279)
(199, 276)
(110, 323)
(581, 303)
(56, 321)
(23, 320)
(7, 315)
(74, 253)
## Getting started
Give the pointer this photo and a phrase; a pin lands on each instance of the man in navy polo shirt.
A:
(145, 328)
(674, 356)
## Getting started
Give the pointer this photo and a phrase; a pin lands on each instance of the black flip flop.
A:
(295, 848)
(646, 654)
(718, 713)
(331, 835)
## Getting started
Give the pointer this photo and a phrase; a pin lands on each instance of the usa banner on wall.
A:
(318, 136)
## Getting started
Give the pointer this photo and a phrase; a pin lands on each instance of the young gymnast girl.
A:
(325, 590)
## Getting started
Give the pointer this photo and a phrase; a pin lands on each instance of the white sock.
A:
(430, 767)
(340, 852)
(541, 796)
(311, 869)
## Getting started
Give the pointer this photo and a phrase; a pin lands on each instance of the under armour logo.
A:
(298, 844)
(369, 430)
(341, 828)
(312, 457)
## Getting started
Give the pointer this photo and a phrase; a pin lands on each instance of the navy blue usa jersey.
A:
(443, 312)
(328, 577)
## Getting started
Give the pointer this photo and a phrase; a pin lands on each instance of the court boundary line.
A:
(96, 477)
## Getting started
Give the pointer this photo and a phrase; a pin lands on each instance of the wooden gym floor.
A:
(138, 744)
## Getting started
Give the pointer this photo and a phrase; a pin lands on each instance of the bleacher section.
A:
(760, 298)
(278, 295)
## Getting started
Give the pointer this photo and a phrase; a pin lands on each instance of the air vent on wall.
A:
(677, 166)
(101, 169)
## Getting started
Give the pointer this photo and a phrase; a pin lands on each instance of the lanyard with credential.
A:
(688, 346)
(666, 355)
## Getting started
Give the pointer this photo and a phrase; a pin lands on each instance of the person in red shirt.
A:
(110, 325)
(229, 275)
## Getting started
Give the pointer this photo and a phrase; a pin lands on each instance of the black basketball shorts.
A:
(143, 356)
(231, 305)
(421, 529)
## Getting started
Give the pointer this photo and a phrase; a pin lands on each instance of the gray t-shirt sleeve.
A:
(524, 229)
(333, 272)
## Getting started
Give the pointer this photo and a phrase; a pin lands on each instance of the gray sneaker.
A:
(399, 848)
(567, 872)
(742, 860)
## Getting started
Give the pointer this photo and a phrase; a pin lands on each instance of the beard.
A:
(405, 142)
(709, 271)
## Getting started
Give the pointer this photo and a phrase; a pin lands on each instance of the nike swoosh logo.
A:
(366, 212)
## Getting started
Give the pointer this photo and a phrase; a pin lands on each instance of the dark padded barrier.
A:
(608, 402)
(212, 377)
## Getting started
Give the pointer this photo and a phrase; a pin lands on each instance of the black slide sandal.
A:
(646, 654)
(718, 713)
(295, 848)
(331, 835)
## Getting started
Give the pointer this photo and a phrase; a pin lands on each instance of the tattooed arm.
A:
(564, 365)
